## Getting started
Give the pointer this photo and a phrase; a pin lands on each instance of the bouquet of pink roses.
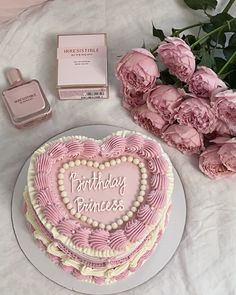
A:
(188, 104)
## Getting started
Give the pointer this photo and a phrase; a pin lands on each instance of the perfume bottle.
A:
(25, 100)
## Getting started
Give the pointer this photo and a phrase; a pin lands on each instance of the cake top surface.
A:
(100, 194)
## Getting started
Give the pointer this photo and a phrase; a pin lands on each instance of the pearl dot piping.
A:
(102, 166)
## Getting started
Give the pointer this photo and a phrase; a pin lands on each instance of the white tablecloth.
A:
(205, 262)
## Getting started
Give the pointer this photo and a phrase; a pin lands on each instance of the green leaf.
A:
(230, 69)
(232, 26)
(173, 31)
(208, 27)
(219, 38)
(206, 59)
(158, 33)
(189, 39)
(228, 72)
(232, 40)
(219, 19)
(219, 63)
(230, 80)
(167, 78)
(201, 4)
(229, 51)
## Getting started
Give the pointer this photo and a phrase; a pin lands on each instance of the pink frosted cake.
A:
(98, 208)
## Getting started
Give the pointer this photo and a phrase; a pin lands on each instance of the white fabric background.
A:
(10, 9)
(205, 262)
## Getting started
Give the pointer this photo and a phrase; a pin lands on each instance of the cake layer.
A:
(47, 200)
(98, 206)
(93, 273)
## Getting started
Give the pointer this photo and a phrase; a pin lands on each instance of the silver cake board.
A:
(160, 257)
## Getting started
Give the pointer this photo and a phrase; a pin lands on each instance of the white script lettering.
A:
(96, 182)
(92, 206)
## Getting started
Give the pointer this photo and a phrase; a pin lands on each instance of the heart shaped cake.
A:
(99, 207)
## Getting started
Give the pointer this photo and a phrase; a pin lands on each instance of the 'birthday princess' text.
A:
(97, 183)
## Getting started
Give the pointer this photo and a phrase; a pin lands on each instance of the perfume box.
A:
(82, 66)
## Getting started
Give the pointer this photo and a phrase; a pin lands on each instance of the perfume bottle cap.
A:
(14, 76)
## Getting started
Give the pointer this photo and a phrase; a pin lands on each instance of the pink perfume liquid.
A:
(25, 101)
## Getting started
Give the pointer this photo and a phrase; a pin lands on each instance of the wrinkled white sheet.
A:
(205, 262)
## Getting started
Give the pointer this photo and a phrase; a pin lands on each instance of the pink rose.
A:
(220, 140)
(184, 138)
(224, 105)
(164, 99)
(149, 120)
(225, 129)
(211, 165)
(204, 81)
(177, 56)
(132, 98)
(227, 154)
(138, 70)
(196, 112)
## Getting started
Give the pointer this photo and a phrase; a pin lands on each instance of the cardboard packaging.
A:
(82, 66)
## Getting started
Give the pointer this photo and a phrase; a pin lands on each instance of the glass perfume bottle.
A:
(25, 100)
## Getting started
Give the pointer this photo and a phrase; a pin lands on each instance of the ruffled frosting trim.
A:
(149, 149)
(41, 181)
(74, 147)
(158, 181)
(91, 149)
(118, 240)
(81, 237)
(43, 163)
(113, 146)
(157, 165)
(54, 214)
(57, 150)
(134, 143)
(99, 240)
(156, 199)
(67, 227)
(134, 230)
(44, 197)
(146, 214)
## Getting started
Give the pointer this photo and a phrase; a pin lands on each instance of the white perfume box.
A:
(82, 66)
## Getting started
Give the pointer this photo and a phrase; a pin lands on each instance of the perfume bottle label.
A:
(83, 93)
(80, 52)
(24, 99)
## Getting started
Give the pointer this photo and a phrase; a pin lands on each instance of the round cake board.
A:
(160, 257)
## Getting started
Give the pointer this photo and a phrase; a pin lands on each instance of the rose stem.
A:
(228, 6)
(212, 32)
(177, 32)
(233, 56)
